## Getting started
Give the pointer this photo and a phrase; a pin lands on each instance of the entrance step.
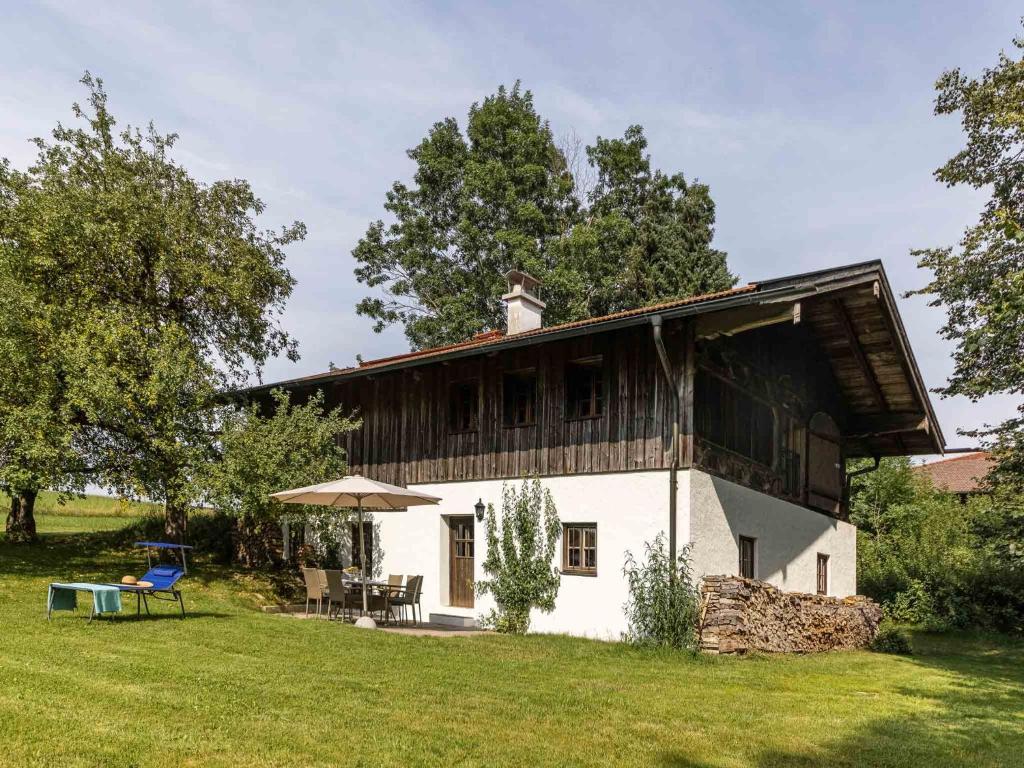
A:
(450, 620)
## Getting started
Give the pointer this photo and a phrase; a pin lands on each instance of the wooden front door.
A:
(460, 561)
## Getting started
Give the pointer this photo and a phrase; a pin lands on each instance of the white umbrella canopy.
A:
(362, 493)
(356, 491)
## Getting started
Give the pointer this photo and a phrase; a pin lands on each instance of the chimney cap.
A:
(527, 282)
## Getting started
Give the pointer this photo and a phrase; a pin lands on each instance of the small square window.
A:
(584, 389)
(519, 390)
(464, 406)
(579, 549)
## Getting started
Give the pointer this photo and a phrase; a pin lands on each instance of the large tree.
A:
(645, 236)
(503, 197)
(173, 291)
(482, 204)
(980, 283)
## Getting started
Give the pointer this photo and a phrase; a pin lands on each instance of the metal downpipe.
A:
(673, 469)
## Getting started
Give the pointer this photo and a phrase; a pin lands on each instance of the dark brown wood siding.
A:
(406, 436)
(407, 433)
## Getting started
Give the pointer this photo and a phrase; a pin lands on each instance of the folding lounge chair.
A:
(163, 578)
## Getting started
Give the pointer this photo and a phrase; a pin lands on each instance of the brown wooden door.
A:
(824, 465)
(460, 559)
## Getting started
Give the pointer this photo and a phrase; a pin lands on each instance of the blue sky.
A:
(811, 122)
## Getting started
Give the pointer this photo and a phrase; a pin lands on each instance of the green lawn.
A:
(232, 686)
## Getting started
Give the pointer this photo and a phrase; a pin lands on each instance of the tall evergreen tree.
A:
(503, 197)
(482, 204)
(646, 236)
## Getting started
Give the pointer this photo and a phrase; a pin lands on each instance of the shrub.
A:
(664, 607)
(520, 551)
(293, 446)
(891, 639)
(933, 562)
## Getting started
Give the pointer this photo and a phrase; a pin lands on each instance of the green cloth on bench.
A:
(64, 597)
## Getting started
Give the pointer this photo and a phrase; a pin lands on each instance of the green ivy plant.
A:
(521, 548)
(663, 607)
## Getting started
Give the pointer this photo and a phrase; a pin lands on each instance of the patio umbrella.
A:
(362, 493)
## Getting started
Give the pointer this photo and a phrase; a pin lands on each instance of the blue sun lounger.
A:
(163, 578)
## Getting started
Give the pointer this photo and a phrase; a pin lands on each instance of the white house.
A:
(721, 420)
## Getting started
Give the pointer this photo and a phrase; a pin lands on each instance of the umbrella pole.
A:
(362, 550)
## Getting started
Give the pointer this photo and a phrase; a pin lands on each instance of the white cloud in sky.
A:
(812, 123)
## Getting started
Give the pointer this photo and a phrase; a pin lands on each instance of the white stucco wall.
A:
(629, 508)
(789, 537)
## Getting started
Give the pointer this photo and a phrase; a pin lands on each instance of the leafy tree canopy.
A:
(40, 443)
(503, 196)
(980, 283)
(930, 559)
(168, 292)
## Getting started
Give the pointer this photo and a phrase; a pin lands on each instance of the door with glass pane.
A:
(460, 561)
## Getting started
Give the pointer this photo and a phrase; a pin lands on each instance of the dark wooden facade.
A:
(407, 436)
(781, 368)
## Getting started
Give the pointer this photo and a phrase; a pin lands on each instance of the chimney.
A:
(523, 310)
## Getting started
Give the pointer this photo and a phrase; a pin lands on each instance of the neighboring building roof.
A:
(961, 474)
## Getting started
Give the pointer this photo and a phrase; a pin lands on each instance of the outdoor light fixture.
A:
(479, 507)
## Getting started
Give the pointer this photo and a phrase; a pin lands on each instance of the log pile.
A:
(741, 615)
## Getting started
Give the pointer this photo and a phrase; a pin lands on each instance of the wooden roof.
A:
(850, 310)
(852, 314)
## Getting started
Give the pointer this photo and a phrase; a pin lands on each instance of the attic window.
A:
(464, 406)
(584, 388)
(519, 391)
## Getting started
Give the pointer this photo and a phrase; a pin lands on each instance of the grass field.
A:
(232, 686)
(91, 505)
(90, 513)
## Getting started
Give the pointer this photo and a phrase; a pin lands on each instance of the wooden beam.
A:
(887, 424)
(846, 324)
(732, 321)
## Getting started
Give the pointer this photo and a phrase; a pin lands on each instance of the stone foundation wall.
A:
(740, 615)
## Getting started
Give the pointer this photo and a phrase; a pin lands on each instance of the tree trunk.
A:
(253, 542)
(176, 520)
(21, 521)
